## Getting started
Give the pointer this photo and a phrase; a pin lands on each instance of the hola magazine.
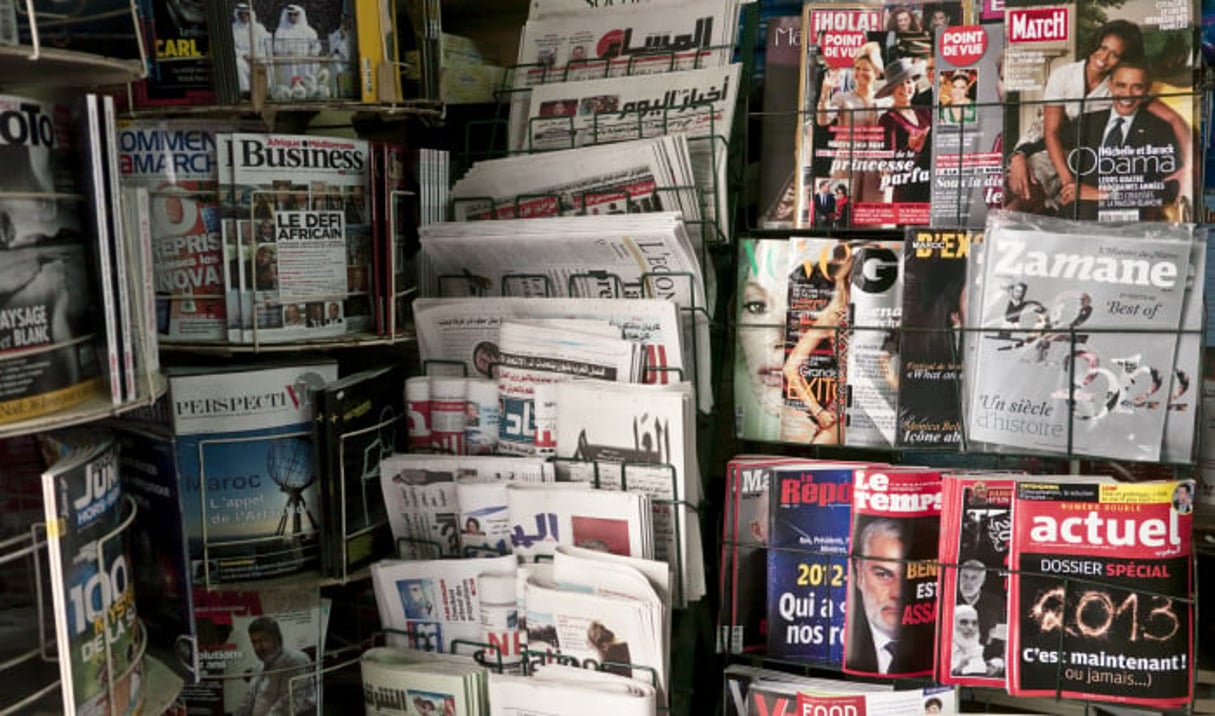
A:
(864, 150)
(1101, 112)
(1099, 596)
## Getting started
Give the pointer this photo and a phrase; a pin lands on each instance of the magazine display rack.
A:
(40, 66)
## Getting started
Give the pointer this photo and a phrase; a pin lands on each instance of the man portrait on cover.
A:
(1183, 498)
(1110, 137)
(874, 631)
(250, 41)
(824, 204)
(280, 686)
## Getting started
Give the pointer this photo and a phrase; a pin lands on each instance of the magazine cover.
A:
(892, 601)
(258, 648)
(782, 70)
(811, 510)
(179, 54)
(245, 460)
(1099, 601)
(176, 161)
(1101, 111)
(867, 102)
(359, 427)
(759, 354)
(871, 374)
(816, 344)
(1048, 374)
(976, 527)
(159, 550)
(91, 581)
(48, 344)
(930, 346)
(968, 126)
(300, 208)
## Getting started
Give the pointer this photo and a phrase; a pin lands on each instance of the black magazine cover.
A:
(1102, 112)
(779, 122)
(179, 54)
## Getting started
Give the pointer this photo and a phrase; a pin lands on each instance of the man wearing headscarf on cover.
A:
(250, 40)
(295, 40)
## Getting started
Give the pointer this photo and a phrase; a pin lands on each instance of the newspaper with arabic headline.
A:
(563, 513)
(626, 177)
(628, 256)
(647, 39)
(697, 103)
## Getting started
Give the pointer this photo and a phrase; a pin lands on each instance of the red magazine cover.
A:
(976, 526)
(892, 601)
(1099, 595)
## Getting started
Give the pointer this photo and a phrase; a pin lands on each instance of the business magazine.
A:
(1099, 599)
(892, 574)
(866, 113)
(1101, 112)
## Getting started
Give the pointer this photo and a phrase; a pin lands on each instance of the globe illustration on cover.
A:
(289, 462)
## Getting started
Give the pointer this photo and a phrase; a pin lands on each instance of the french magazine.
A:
(759, 355)
(976, 528)
(179, 54)
(782, 71)
(1101, 112)
(91, 578)
(816, 342)
(968, 126)
(299, 215)
(871, 369)
(864, 149)
(811, 510)
(247, 470)
(1099, 599)
(930, 344)
(891, 610)
(176, 161)
(48, 330)
(1079, 333)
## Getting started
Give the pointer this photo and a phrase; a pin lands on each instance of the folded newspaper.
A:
(566, 689)
(545, 516)
(402, 682)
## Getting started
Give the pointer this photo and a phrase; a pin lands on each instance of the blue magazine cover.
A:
(808, 561)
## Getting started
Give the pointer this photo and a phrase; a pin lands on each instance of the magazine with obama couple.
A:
(1025, 582)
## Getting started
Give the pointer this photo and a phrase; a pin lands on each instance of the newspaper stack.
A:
(399, 682)
(1078, 350)
(631, 256)
(568, 46)
(423, 497)
(641, 439)
(430, 604)
(697, 103)
(613, 621)
(627, 177)
(545, 516)
(567, 689)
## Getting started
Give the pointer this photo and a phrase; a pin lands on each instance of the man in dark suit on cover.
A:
(1109, 137)
(873, 633)
(824, 204)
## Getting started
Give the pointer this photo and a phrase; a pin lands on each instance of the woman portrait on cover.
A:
(957, 106)
(1040, 182)
(856, 107)
(843, 211)
(816, 421)
(762, 303)
(906, 130)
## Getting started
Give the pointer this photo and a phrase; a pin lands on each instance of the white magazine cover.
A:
(644, 438)
(466, 330)
(634, 177)
(428, 604)
(420, 493)
(697, 103)
(1079, 336)
(647, 39)
(872, 367)
(567, 689)
(298, 217)
(531, 355)
(545, 516)
(601, 631)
